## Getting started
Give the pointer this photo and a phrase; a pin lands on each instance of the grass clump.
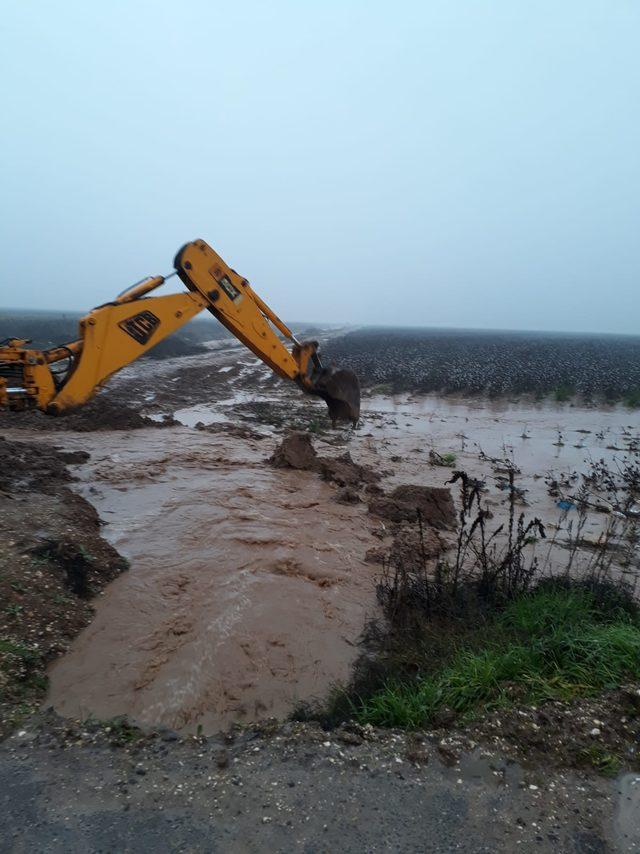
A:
(606, 763)
(446, 460)
(632, 400)
(558, 642)
(382, 389)
(563, 393)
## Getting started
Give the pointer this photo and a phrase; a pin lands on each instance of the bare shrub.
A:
(487, 567)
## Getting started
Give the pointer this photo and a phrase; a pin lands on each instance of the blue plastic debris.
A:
(563, 504)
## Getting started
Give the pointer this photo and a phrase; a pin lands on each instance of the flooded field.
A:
(249, 585)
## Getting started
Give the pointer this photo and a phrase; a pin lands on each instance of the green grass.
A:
(632, 400)
(563, 393)
(550, 644)
(382, 388)
(14, 610)
(25, 653)
(607, 763)
(120, 729)
(437, 459)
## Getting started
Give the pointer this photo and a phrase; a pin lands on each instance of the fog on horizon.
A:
(472, 164)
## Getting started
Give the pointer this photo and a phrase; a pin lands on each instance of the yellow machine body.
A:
(115, 334)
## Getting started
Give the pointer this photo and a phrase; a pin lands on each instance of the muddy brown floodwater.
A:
(248, 587)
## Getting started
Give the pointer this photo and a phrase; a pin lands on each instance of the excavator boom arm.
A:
(115, 334)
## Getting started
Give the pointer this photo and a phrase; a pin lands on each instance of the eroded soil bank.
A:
(52, 562)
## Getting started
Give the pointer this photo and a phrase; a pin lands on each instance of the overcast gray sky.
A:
(457, 163)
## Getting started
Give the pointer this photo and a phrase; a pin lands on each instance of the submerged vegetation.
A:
(489, 628)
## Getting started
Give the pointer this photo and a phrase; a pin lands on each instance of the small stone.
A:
(347, 737)
(222, 759)
(418, 754)
(448, 756)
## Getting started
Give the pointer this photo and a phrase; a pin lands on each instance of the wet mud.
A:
(104, 412)
(434, 503)
(297, 451)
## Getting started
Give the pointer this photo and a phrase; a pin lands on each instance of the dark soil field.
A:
(493, 363)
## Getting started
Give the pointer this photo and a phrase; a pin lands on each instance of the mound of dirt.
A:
(345, 472)
(408, 549)
(296, 451)
(101, 413)
(434, 502)
(26, 466)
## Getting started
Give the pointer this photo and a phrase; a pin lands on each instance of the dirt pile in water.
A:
(347, 473)
(296, 451)
(434, 503)
(101, 413)
(409, 548)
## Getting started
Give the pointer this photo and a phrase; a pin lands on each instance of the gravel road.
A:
(66, 788)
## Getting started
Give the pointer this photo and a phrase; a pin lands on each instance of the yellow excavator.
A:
(115, 334)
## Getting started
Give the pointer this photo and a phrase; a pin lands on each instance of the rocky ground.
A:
(293, 787)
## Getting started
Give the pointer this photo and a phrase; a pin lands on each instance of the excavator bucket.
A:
(340, 389)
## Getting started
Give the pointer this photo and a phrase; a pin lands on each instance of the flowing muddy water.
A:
(247, 589)
(248, 585)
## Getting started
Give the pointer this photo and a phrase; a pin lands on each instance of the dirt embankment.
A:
(434, 504)
(52, 561)
(105, 412)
